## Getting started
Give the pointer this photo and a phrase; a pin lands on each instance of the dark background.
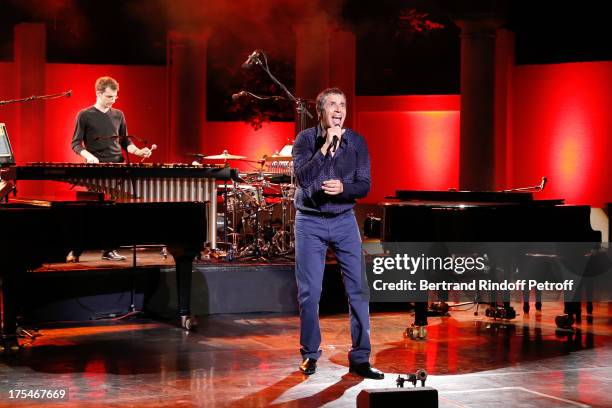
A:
(393, 58)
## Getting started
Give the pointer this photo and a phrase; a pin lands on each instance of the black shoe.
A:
(538, 305)
(526, 307)
(366, 370)
(112, 256)
(309, 366)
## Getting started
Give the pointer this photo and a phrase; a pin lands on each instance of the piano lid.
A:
(467, 196)
(470, 198)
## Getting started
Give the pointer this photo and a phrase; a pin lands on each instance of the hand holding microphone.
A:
(332, 139)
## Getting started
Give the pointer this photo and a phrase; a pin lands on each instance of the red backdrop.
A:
(560, 123)
(413, 142)
(562, 129)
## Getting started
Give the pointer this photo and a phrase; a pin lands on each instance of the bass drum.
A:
(244, 197)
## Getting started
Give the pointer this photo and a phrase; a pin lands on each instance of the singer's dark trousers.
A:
(313, 234)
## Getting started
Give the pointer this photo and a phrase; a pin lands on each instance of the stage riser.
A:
(81, 295)
(229, 289)
(85, 295)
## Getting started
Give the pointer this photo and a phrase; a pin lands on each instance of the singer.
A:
(332, 168)
(100, 133)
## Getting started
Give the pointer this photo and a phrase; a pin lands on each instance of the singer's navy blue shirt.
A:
(350, 164)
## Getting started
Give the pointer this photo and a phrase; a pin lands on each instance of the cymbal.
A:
(278, 157)
(225, 156)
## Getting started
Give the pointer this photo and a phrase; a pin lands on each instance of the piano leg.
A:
(184, 264)
(418, 331)
(9, 309)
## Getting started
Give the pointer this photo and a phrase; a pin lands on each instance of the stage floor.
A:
(250, 360)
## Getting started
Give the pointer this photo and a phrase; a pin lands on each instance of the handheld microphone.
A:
(252, 59)
(334, 143)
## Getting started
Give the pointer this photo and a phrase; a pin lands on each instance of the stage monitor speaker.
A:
(421, 397)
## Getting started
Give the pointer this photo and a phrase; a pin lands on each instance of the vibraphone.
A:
(141, 182)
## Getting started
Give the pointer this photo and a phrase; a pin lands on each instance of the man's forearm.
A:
(133, 149)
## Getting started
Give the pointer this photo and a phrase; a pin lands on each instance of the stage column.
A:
(186, 66)
(504, 83)
(477, 146)
(325, 56)
(30, 51)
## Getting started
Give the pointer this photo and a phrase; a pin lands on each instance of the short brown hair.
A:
(106, 82)
(323, 94)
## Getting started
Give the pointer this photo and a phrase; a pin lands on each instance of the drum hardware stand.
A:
(225, 156)
(280, 242)
(230, 248)
(231, 238)
(255, 246)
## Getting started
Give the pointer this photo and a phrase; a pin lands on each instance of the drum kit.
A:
(257, 218)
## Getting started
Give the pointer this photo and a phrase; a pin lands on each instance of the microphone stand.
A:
(259, 97)
(37, 98)
(8, 186)
(132, 310)
(300, 103)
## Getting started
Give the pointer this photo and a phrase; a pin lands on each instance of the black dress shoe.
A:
(367, 371)
(526, 307)
(309, 366)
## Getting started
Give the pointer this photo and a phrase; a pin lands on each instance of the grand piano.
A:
(36, 231)
(483, 217)
(472, 216)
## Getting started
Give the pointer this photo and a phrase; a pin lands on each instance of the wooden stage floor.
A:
(250, 360)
